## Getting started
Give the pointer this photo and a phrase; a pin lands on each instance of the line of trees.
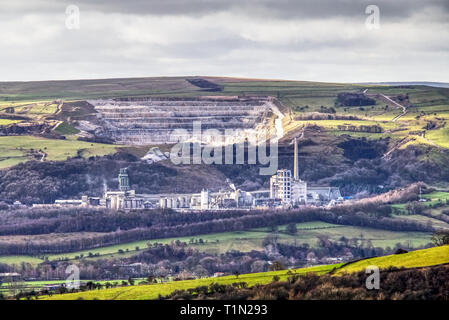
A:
(362, 215)
(64, 220)
(428, 284)
(181, 260)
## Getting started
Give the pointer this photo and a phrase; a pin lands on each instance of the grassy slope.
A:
(436, 197)
(419, 258)
(11, 260)
(246, 241)
(14, 149)
(429, 103)
(38, 285)
(35, 99)
(65, 129)
(88, 89)
(5, 122)
(146, 292)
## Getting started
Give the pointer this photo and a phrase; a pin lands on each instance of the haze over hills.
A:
(412, 83)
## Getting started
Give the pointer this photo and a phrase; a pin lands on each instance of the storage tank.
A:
(205, 199)
(163, 203)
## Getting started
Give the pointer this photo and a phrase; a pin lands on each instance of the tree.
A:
(258, 266)
(276, 266)
(415, 208)
(270, 239)
(440, 238)
(238, 226)
(3, 206)
(323, 241)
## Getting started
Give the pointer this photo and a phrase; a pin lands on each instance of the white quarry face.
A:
(170, 120)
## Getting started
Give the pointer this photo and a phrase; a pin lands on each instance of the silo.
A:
(204, 199)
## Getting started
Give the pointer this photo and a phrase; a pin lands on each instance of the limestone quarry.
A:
(144, 121)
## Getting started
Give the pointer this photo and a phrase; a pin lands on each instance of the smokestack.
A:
(295, 161)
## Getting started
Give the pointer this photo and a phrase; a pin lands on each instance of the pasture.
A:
(16, 149)
(152, 291)
(248, 240)
(414, 259)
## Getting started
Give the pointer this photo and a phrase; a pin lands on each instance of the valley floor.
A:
(246, 241)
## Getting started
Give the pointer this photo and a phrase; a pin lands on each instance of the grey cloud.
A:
(246, 40)
(291, 9)
(287, 9)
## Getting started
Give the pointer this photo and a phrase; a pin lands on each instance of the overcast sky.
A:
(299, 40)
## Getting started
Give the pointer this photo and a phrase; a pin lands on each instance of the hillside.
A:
(145, 292)
(58, 140)
(243, 241)
(404, 115)
(419, 258)
(413, 259)
(371, 145)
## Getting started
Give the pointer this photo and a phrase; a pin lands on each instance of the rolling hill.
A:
(420, 258)
(413, 259)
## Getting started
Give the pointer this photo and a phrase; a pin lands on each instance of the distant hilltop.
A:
(413, 83)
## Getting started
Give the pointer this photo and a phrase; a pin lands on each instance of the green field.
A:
(38, 285)
(11, 260)
(436, 196)
(16, 149)
(42, 100)
(246, 241)
(6, 122)
(427, 104)
(65, 129)
(440, 137)
(29, 108)
(418, 258)
(425, 220)
(147, 292)
(90, 89)
(433, 198)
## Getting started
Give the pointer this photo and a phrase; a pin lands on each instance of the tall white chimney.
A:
(295, 164)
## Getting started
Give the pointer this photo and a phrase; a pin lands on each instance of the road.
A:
(391, 101)
(397, 105)
(278, 121)
(405, 140)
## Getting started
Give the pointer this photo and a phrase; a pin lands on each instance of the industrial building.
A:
(208, 200)
(124, 198)
(286, 191)
(292, 191)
